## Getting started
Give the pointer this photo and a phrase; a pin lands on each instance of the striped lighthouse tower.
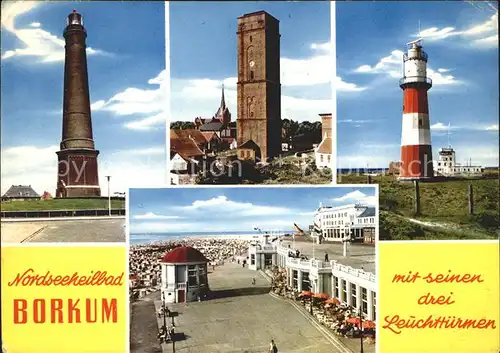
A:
(416, 149)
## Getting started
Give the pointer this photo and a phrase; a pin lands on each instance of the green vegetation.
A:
(443, 206)
(287, 170)
(61, 204)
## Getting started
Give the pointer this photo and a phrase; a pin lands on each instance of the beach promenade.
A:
(65, 230)
(239, 318)
(360, 256)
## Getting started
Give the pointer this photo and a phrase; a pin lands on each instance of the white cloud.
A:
(391, 65)
(148, 104)
(38, 43)
(353, 121)
(152, 215)
(314, 70)
(482, 155)
(37, 166)
(439, 127)
(237, 208)
(200, 96)
(483, 34)
(353, 195)
(151, 122)
(357, 196)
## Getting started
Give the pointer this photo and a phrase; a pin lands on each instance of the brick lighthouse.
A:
(416, 149)
(77, 160)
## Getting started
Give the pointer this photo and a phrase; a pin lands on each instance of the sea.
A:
(146, 238)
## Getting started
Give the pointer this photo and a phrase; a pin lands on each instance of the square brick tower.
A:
(259, 88)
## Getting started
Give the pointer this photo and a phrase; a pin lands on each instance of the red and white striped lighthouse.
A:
(416, 149)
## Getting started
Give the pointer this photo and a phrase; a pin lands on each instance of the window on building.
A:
(344, 290)
(321, 158)
(336, 287)
(250, 39)
(374, 305)
(353, 294)
(252, 259)
(306, 283)
(364, 300)
(251, 75)
(192, 276)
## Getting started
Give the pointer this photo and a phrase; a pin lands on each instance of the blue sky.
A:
(126, 61)
(204, 54)
(460, 39)
(209, 209)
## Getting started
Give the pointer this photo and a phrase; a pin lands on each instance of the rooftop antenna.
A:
(415, 41)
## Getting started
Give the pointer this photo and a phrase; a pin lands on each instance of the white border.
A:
(64, 245)
(452, 241)
(168, 92)
(125, 246)
(333, 48)
(255, 186)
(168, 112)
(259, 186)
(128, 321)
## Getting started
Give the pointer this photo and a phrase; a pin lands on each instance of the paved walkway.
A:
(243, 318)
(143, 325)
(67, 230)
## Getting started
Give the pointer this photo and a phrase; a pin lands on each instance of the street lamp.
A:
(109, 194)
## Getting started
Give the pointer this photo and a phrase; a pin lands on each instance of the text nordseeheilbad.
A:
(58, 310)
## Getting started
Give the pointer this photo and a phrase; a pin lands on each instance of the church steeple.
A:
(222, 100)
(223, 114)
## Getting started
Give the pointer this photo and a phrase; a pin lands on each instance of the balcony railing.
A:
(415, 79)
(354, 271)
(327, 265)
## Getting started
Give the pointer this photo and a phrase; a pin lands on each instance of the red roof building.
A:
(184, 275)
(184, 255)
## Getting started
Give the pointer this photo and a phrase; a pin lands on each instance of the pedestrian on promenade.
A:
(253, 281)
(272, 347)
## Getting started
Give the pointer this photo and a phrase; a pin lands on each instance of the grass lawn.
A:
(443, 202)
(61, 204)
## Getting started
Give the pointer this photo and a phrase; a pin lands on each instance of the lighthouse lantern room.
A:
(416, 149)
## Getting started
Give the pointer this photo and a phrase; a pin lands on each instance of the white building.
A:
(184, 275)
(323, 153)
(262, 253)
(356, 222)
(183, 170)
(446, 165)
(354, 286)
